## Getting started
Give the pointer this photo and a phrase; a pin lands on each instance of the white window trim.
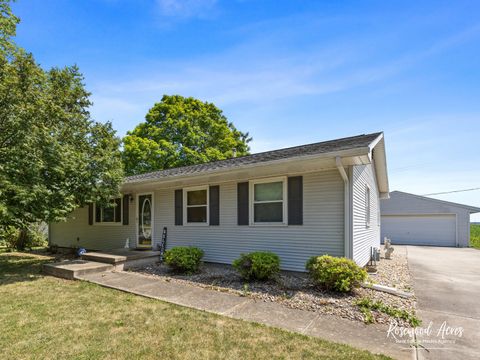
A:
(251, 196)
(185, 198)
(108, 223)
(368, 206)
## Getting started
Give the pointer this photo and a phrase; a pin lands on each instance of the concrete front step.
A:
(104, 258)
(72, 269)
(123, 259)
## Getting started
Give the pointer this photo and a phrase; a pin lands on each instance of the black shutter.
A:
(214, 204)
(118, 209)
(295, 200)
(125, 208)
(90, 214)
(179, 207)
(242, 203)
(98, 213)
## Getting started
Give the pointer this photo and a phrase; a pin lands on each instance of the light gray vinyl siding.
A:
(364, 237)
(95, 237)
(406, 204)
(322, 232)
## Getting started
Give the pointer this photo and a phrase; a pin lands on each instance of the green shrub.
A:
(8, 237)
(184, 259)
(34, 236)
(257, 265)
(338, 274)
(475, 236)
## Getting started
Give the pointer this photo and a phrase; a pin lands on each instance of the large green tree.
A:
(53, 157)
(181, 131)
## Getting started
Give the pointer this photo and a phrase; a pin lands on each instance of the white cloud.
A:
(256, 71)
(186, 8)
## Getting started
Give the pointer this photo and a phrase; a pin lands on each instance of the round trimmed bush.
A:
(259, 265)
(184, 259)
(333, 273)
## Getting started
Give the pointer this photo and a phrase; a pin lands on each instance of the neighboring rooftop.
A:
(324, 147)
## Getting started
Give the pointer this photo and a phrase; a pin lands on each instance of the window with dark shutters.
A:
(109, 214)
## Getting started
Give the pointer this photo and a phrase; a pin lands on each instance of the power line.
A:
(453, 191)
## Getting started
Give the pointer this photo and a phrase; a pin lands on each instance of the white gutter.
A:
(343, 173)
(375, 142)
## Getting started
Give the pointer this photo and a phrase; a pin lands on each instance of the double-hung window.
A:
(268, 201)
(196, 205)
(109, 214)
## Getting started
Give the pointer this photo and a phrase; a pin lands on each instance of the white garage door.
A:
(436, 230)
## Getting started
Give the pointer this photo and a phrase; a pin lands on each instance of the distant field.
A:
(475, 236)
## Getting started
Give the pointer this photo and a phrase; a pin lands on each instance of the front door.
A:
(145, 220)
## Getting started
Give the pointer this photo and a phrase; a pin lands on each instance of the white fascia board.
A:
(380, 161)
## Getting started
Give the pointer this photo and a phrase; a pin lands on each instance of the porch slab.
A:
(123, 259)
(72, 269)
(104, 257)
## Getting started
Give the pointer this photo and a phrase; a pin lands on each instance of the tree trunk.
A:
(22, 239)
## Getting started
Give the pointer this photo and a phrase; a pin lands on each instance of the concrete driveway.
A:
(447, 285)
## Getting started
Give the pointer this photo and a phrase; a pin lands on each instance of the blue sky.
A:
(289, 72)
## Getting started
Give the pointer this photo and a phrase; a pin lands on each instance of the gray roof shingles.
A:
(291, 152)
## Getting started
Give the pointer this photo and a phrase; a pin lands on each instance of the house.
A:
(418, 220)
(314, 199)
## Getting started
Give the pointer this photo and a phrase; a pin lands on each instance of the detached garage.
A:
(409, 219)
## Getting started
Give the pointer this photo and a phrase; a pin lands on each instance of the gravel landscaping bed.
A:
(295, 290)
(394, 272)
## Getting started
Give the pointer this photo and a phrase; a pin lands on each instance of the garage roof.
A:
(472, 209)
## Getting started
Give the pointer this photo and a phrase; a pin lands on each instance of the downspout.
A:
(346, 182)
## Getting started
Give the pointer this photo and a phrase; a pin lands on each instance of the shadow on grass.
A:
(20, 267)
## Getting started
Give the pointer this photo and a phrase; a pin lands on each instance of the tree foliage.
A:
(181, 131)
(8, 27)
(53, 157)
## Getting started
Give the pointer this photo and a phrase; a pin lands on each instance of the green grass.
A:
(50, 318)
(475, 236)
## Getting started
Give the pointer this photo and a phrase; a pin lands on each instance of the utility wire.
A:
(451, 192)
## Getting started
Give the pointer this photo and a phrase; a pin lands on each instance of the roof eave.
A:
(379, 159)
(349, 153)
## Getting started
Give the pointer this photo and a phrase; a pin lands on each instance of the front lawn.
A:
(46, 317)
(475, 236)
